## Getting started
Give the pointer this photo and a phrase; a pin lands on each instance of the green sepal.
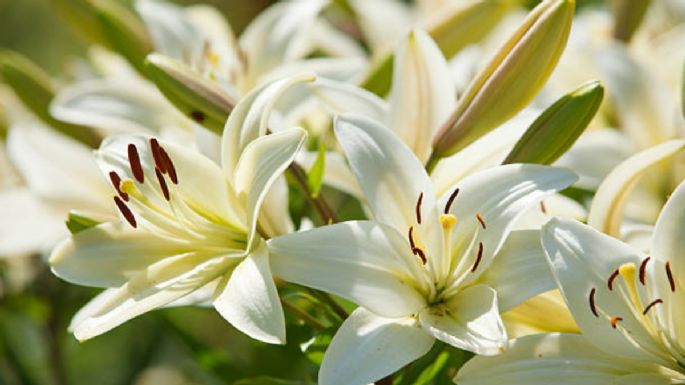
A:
(558, 127)
(77, 222)
(196, 97)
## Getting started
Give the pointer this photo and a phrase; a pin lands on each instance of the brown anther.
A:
(168, 165)
(481, 220)
(411, 238)
(156, 156)
(450, 200)
(125, 211)
(593, 307)
(479, 256)
(162, 183)
(613, 276)
(134, 162)
(651, 305)
(116, 181)
(669, 274)
(418, 252)
(614, 321)
(418, 208)
(543, 208)
(643, 268)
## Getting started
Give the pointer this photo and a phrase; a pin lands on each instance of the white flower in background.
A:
(427, 266)
(628, 304)
(189, 226)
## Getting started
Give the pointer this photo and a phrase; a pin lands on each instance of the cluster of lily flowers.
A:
(507, 208)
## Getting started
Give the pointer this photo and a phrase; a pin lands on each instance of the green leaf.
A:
(77, 222)
(196, 97)
(628, 15)
(558, 127)
(315, 174)
(315, 348)
(460, 26)
(511, 79)
(35, 90)
(124, 31)
(82, 17)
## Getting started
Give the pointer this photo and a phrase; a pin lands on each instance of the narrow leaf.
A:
(315, 174)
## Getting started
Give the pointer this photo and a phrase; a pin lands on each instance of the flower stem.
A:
(318, 202)
(304, 316)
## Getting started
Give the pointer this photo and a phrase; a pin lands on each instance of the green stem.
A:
(432, 162)
(304, 316)
(330, 301)
(318, 202)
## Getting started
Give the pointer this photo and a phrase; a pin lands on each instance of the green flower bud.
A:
(511, 79)
(196, 97)
(628, 15)
(558, 127)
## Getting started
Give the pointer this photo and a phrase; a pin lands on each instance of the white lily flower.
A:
(628, 304)
(189, 226)
(427, 266)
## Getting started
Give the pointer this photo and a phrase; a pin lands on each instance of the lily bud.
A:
(455, 28)
(196, 97)
(628, 15)
(558, 127)
(511, 79)
(35, 90)
(124, 31)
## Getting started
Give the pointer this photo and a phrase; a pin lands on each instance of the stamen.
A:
(613, 276)
(116, 180)
(162, 183)
(418, 252)
(447, 221)
(450, 200)
(643, 267)
(168, 165)
(479, 256)
(418, 208)
(481, 220)
(134, 162)
(543, 208)
(125, 211)
(614, 321)
(651, 305)
(154, 148)
(669, 274)
(411, 238)
(592, 302)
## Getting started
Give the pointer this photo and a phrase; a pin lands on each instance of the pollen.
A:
(448, 221)
(614, 321)
(481, 220)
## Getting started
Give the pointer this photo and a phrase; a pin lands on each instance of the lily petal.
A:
(250, 118)
(583, 260)
(250, 302)
(497, 196)
(422, 94)
(564, 359)
(606, 211)
(367, 348)
(117, 106)
(668, 242)
(543, 313)
(262, 161)
(372, 263)
(342, 98)
(469, 320)
(109, 255)
(395, 184)
(156, 286)
(520, 260)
